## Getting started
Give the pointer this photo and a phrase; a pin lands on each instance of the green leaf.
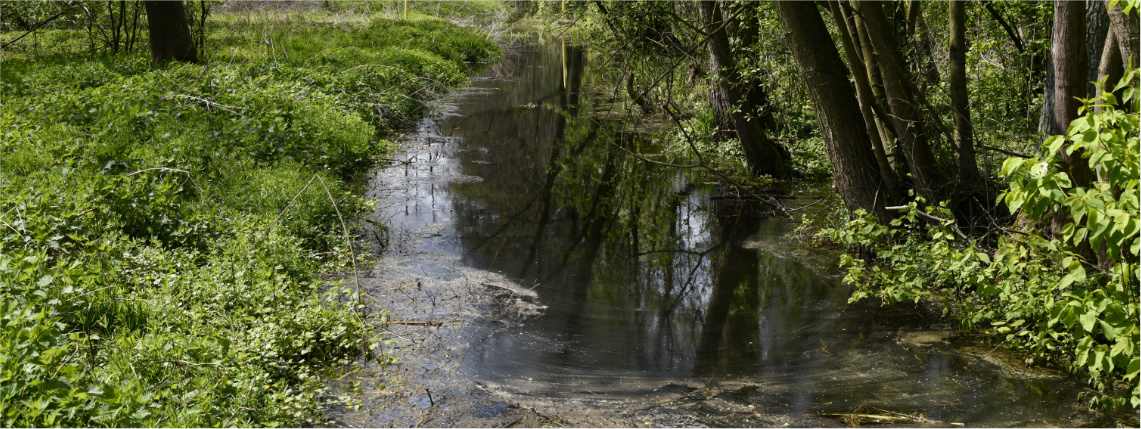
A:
(1063, 180)
(985, 258)
(1011, 165)
(1076, 274)
(1099, 361)
(1053, 144)
(1107, 330)
(1088, 321)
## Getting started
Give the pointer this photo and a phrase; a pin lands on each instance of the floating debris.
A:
(866, 414)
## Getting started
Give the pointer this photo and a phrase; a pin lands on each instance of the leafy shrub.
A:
(1061, 308)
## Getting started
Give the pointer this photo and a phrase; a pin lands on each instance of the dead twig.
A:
(929, 216)
(416, 323)
(207, 102)
(41, 24)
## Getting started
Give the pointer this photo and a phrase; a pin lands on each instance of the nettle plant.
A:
(1098, 310)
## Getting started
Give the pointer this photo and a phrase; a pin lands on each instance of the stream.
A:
(536, 274)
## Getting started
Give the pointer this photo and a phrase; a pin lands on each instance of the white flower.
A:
(1038, 171)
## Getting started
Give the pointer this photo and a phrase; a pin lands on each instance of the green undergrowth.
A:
(167, 234)
(1045, 293)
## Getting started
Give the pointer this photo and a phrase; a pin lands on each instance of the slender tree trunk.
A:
(1109, 70)
(875, 81)
(1005, 26)
(170, 33)
(761, 154)
(1097, 28)
(743, 28)
(837, 112)
(1126, 28)
(960, 103)
(922, 46)
(1070, 74)
(866, 99)
(927, 179)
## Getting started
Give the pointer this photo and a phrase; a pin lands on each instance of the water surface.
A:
(653, 276)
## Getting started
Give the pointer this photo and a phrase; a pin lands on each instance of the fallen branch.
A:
(929, 216)
(41, 24)
(206, 102)
(416, 323)
(867, 414)
(1005, 152)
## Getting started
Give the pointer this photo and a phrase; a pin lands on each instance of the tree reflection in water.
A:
(651, 274)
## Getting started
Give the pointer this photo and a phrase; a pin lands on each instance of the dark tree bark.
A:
(960, 104)
(762, 155)
(170, 33)
(867, 100)
(1070, 77)
(1109, 70)
(1070, 74)
(1126, 29)
(875, 81)
(837, 112)
(1046, 124)
(742, 27)
(1097, 27)
(927, 179)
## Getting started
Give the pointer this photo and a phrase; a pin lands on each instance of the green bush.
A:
(1064, 308)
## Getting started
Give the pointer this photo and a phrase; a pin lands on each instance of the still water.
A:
(646, 275)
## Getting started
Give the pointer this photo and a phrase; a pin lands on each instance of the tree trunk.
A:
(1126, 28)
(837, 112)
(761, 154)
(1070, 74)
(1109, 70)
(875, 82)
(866, 99)
(927, 179)
(743, 28)
(170, 33)
(960, 103)
(1097, 27)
